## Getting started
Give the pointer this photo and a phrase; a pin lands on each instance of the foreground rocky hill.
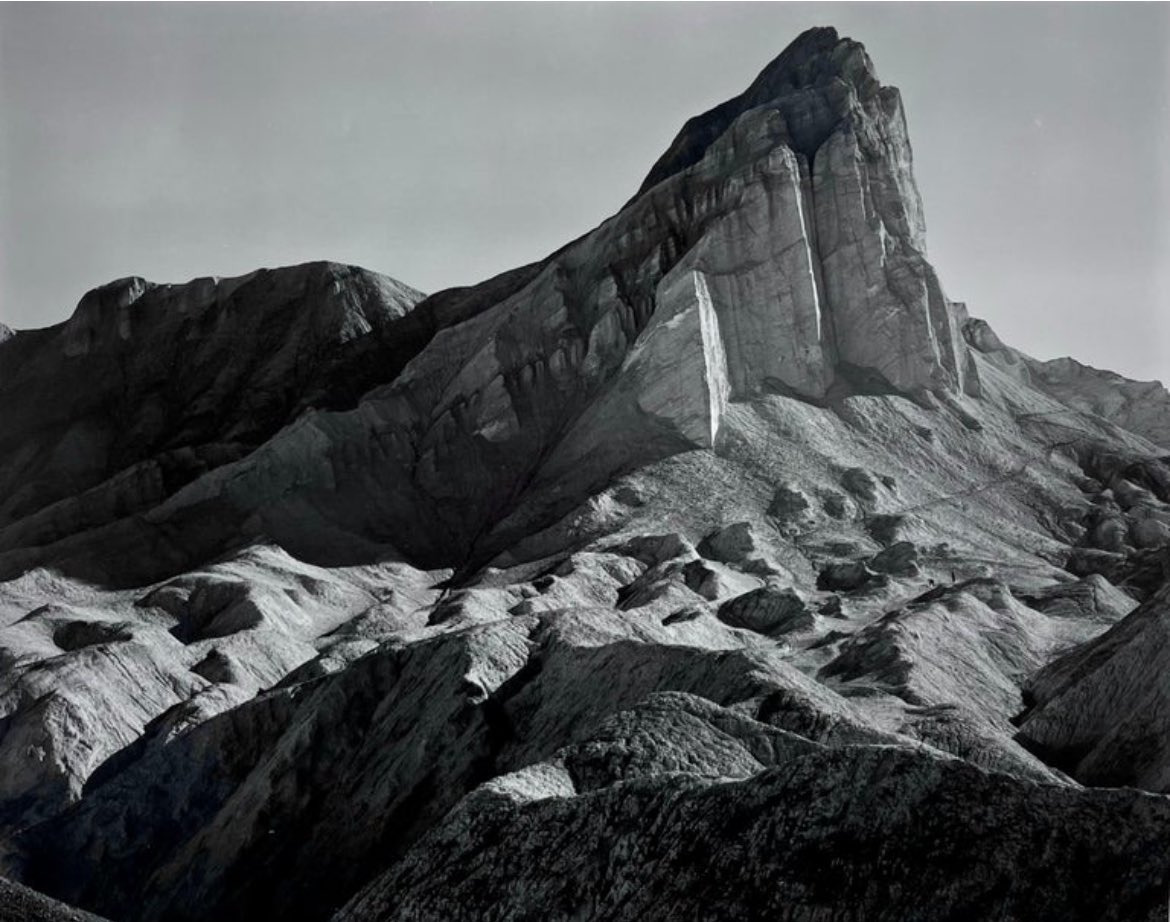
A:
(717, 566)
(19, 904)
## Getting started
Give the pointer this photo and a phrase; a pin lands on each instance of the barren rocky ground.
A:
(718, 566)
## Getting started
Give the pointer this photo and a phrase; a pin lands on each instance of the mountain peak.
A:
(815, 57)
(782, 251)
(819, 108)
(818, 61)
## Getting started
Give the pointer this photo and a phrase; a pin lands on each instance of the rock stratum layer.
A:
(717, 566)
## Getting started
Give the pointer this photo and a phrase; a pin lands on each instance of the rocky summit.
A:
(718, 566)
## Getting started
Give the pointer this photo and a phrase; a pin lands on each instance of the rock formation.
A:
(1139, 406)
(19, 904)
(1099, 712)
(716, 566)
(147, 388)
(642, 329)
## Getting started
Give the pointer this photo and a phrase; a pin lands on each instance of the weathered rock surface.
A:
(848, 576)
(309, 790)
(89, 674)
(899, 559)
(771, 846)
(514, 601)
(517, 397)
(868, 298)
(970, 644)
(1102, 711)
(1139, 406)
(1088, 599)
(19, 904)
(769, 611)
(147, 388)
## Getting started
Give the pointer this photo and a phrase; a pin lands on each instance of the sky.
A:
(442, 144)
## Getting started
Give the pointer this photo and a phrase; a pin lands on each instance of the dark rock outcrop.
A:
(849, 576)
(768, 611)
(1102, 711)
(899, 559)
(820, 829)
(148, 388)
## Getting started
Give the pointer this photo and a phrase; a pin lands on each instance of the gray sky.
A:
(442, 144)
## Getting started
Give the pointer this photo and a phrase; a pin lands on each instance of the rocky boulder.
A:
(768, 610)
(861, 484)
(899, 559)
(1149, 532)
(791, 509)
(703, 580)
(734, 544)
(849, 576)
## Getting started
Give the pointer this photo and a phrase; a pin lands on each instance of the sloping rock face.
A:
(148, 387)
(1139, 406)
(1102, 711)
(766, 847)
(19, 904)
(88, 676)
(700, 570)
(384, 765)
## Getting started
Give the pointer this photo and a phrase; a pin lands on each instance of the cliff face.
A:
(700, 568)
(866, 300)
